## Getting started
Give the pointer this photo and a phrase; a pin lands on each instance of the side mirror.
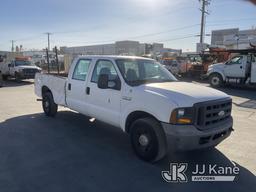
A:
(9, 65)
(103, 81)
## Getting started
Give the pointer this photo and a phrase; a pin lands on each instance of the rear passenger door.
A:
(104, 103)
(76, 86)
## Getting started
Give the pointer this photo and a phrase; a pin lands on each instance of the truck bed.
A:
(57, 85)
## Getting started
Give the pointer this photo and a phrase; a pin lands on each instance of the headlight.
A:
(20, 70)
(182, 116)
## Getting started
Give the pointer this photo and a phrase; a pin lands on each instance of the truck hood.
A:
(28, 67)
(184, 94)
(217, 65)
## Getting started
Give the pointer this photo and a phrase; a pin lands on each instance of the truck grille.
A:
(29, 72)
(211, 113)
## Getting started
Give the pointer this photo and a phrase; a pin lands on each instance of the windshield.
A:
(139, 71)
(19, 63)
(37, 56)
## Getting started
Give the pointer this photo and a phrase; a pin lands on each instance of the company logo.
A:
(200, 173)
(221, 113)
(176, 173)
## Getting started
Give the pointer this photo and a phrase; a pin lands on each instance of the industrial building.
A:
(233, 38)
(117, 48)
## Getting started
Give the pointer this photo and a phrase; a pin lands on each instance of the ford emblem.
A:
(221, 113)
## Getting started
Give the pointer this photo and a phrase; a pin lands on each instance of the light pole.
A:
(237, 40)
(48, 38)
(205, 3)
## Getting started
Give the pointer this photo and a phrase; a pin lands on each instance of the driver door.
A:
(104, 103)
(235, 67)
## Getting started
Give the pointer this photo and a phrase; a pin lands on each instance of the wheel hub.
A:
(215, 80)
(46, 104)
(143, 140)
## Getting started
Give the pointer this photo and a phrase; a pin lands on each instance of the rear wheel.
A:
(4, 77)
(216, 80)
(148, 139)
(49, 106)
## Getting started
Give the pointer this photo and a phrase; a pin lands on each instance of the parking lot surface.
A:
(70, 153)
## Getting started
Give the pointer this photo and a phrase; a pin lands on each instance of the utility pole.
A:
(12, 45)
(48, 38)
(205, 3)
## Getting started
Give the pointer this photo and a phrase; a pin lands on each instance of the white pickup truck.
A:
(142, 98)
(19, 68)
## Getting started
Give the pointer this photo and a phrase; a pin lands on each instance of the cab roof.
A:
(112, 57)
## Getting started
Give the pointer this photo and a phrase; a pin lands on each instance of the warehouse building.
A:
(233, 38)
(117, 48)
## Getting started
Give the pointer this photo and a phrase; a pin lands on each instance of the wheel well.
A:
(45, 90)
(134, 116)
(216, 73)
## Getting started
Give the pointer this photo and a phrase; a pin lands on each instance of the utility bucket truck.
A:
(240, 69)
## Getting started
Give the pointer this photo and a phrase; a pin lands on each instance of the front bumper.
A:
(205, 76)
(188, 137)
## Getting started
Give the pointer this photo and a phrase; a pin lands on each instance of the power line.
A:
(144, 35)
(28, 38)
(232, 20)
(178, 38)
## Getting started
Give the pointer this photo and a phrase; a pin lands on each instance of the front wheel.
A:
(216, 80)
(148, 139)
(49, 106)
(17, 77)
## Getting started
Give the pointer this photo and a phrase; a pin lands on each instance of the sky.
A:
(176, 23)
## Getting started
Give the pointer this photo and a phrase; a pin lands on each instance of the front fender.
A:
(160, 110)
(218, 71)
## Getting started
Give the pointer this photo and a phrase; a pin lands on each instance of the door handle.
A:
(87, 90)
(69, 86)
(241, 67)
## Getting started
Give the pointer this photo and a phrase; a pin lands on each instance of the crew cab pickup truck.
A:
(142, 98)
(19, 68)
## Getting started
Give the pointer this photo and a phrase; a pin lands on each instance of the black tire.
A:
(4, 77)
(216, 80)
(17, 77)
(49, 106)
(148, 139)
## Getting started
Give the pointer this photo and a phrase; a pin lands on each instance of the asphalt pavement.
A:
(70, 153)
